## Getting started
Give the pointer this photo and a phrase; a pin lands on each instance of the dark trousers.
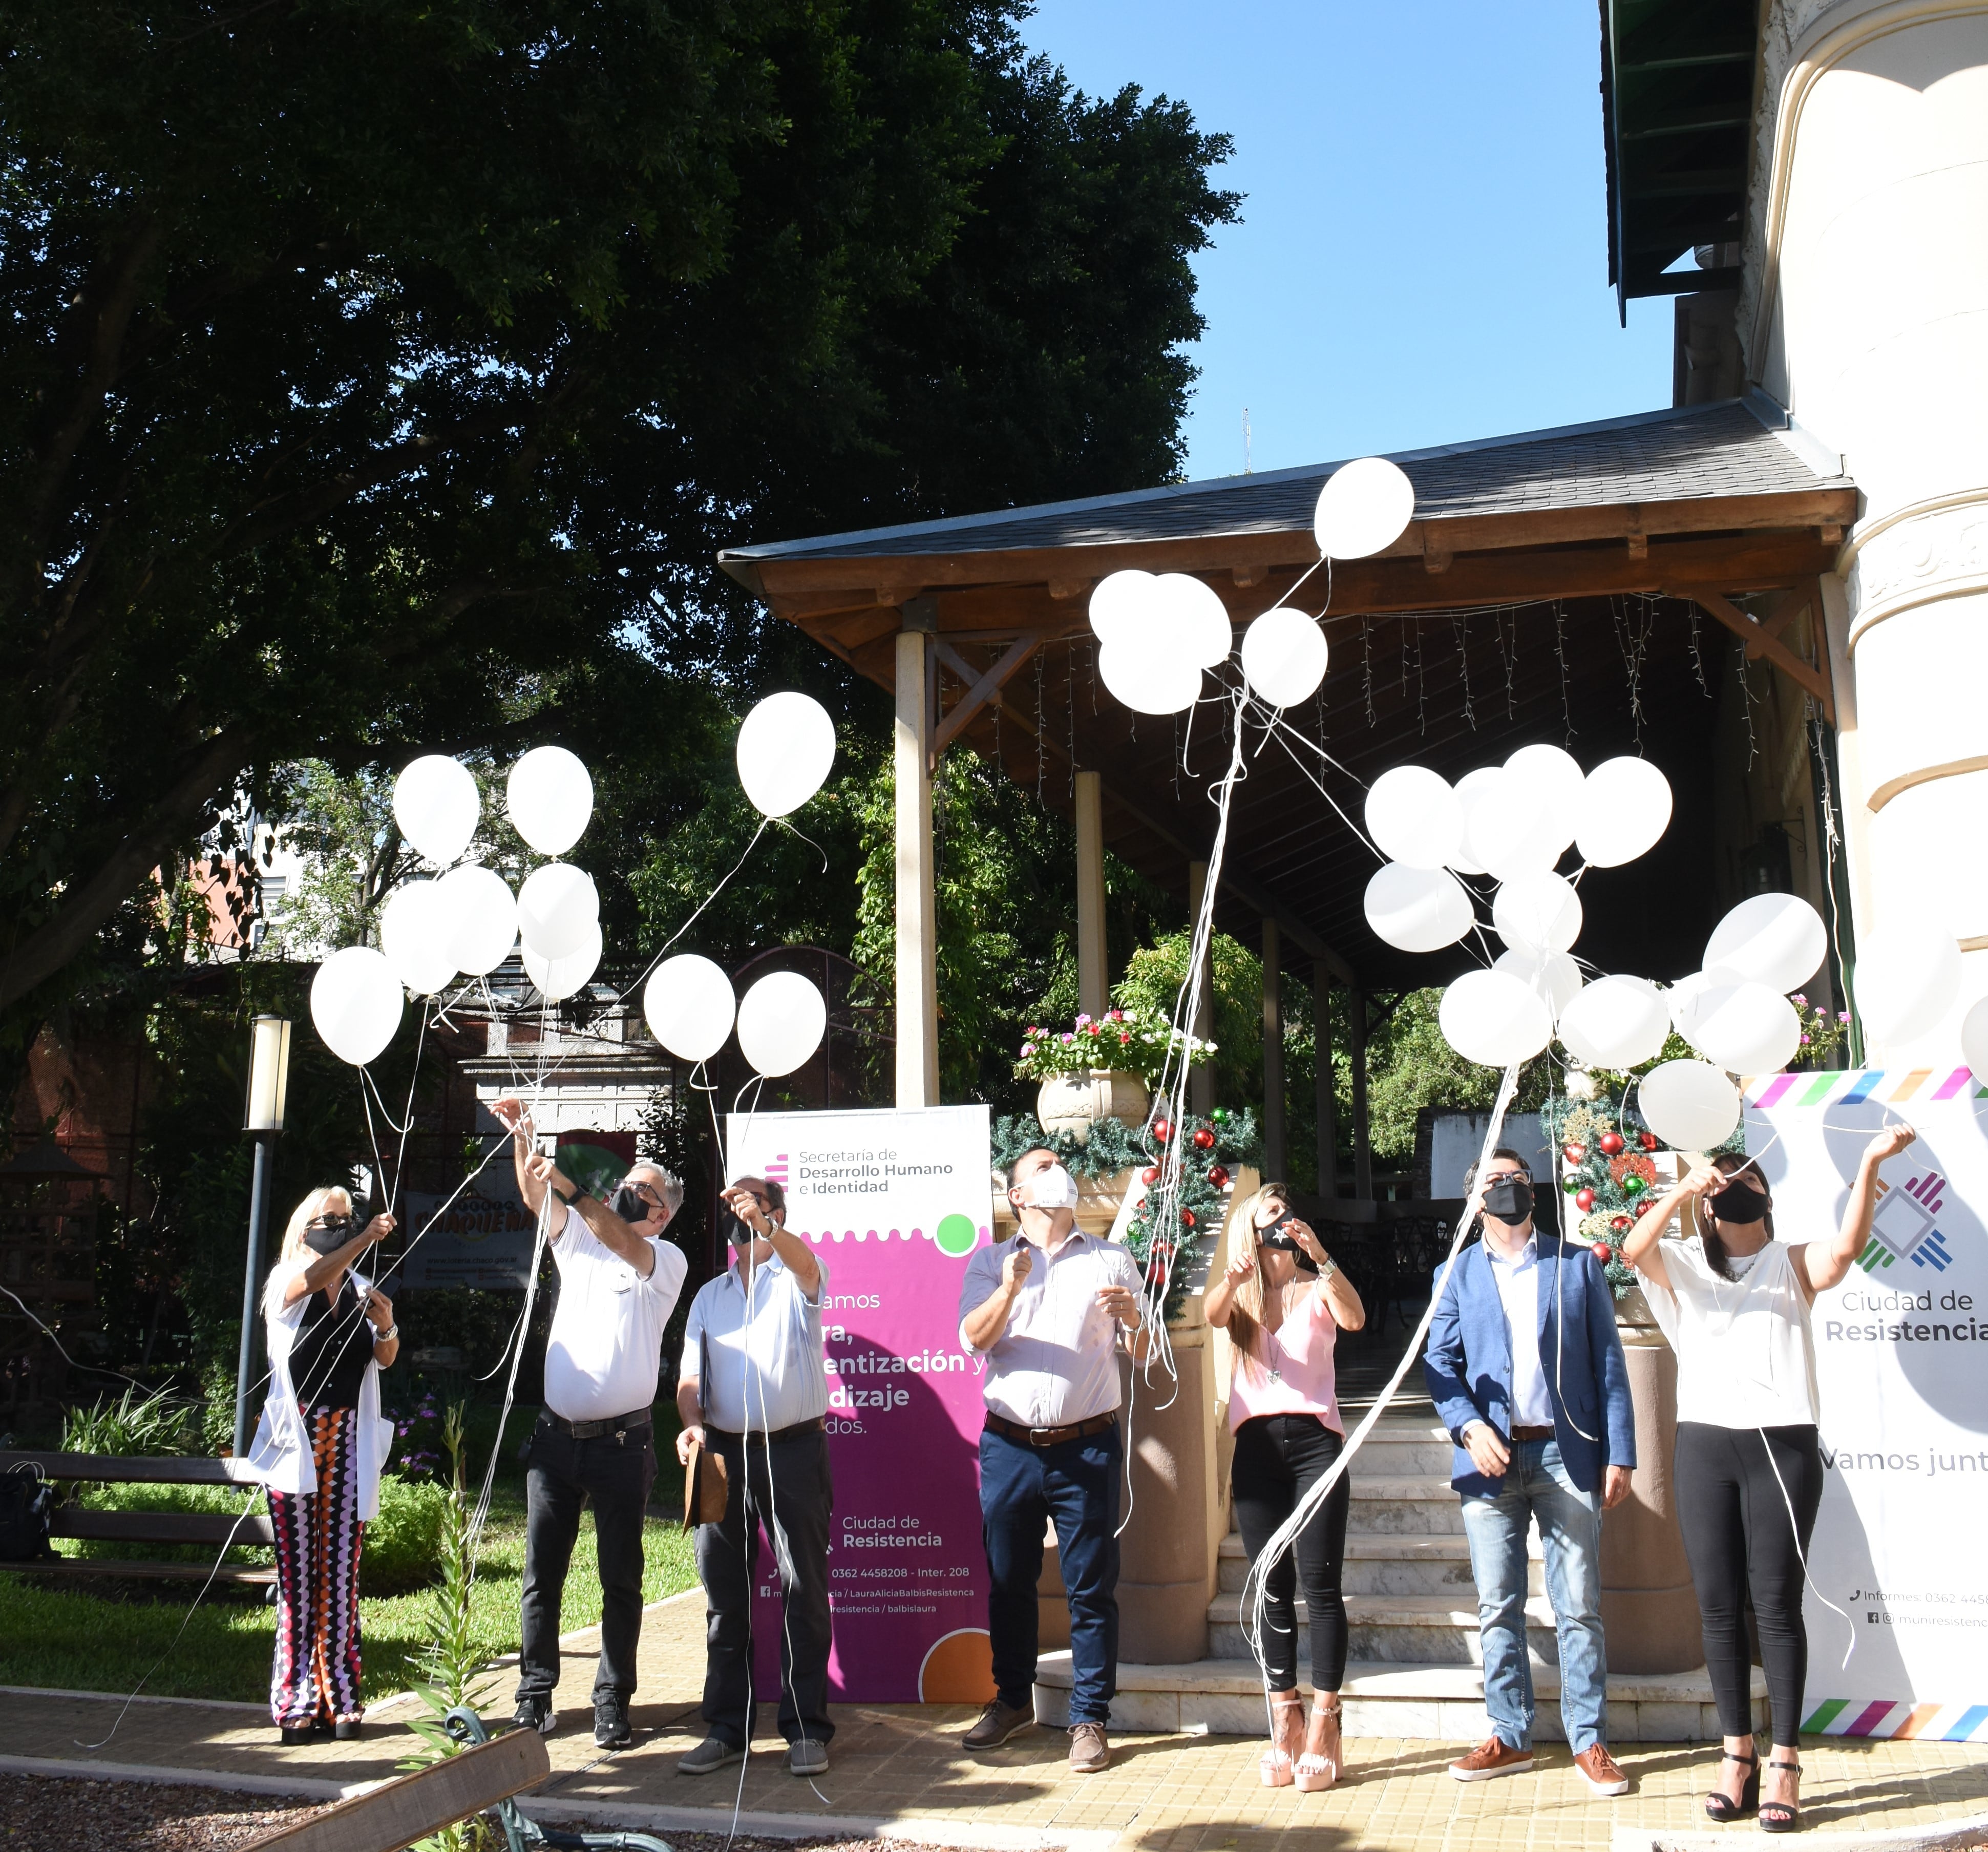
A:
(1278, 1459)
(560, 1474)
(1021, 1489)
(1734, 1515)
(788, 1493)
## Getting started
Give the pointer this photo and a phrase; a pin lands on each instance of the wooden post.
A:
(1201, 1083)
(1355, 1048)
(1328, 1102)
(1273, 1054)
(917, 922)
(1093, 975)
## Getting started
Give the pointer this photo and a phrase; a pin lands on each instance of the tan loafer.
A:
(1089, 1752)
(1492, 1758)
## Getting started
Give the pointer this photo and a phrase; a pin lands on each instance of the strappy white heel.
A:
(1276, 1766)
(1317, 1769)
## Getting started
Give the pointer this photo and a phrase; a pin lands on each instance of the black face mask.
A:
(1738, 1203)
(1285, 1244)
(335, 1232)
(738, 1233)
(629, 1203)
(1510, 1199)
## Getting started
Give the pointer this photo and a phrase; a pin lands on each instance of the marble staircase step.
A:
(1398, 1564)
(1414, 1630)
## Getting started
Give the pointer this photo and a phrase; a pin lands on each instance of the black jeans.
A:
(788, 1482)
(1277, 1458)
(560, 1474)
(1734, 1515)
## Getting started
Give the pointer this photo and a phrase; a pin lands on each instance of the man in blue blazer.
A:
(1527, 1373)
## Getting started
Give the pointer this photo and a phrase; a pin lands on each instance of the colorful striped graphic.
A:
(1780, 1089)
(1895, 1721)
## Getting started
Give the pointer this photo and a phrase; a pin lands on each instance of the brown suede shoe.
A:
(1090, 1753)
(997, 1723)
(1492, 1758)
(1600, 1771)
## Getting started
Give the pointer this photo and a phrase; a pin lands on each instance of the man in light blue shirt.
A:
(752, 1389)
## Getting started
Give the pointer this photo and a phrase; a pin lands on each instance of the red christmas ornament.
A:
(1163, 1129)
(1574, 1154)
(1204, 1138)
(1647, 1140)
(1187, 1215)
(1218, 1177)
(1602, 1252)
(1618, 1222)
(1149, 1176)
(1610, 1142)
(1583, 1201)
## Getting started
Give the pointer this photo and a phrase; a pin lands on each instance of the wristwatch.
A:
(1327, 1268)
(392, 1332)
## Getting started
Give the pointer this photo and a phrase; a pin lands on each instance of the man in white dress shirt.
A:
(753, 1388)
(1047, 1309)
(618, 1282)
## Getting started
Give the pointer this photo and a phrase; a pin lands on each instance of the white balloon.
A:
(1625, 807)
(1148, 681)
(1554, 774)
(436, 804)
(786, 750)
(1284, 656)
(688, 1003)
(355, 1001)
(1908, 976)
(1414, 816)
(1193, 620)
(1363, 509)
(414, 937)
(1473, 791)
(1552, 976)
(1689, 1105)
(780, 1022)
(1616, 1022)
(1746, 1028)
(1974, 1040)
(1416, 909)
(559, 978)
(1509, 830)
(1773, 939)
(1491, 1017)
(1122, 605)
(549, 798)
(1536, 912)
(556, 906)
(480, 915)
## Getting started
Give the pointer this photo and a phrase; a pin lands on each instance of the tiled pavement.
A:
(901, 1767)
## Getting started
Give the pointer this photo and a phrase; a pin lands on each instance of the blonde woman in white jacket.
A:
(318, 1451)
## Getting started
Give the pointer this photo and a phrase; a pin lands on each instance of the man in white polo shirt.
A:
(1049, 1329)
(753, 1389)
(618, 1282)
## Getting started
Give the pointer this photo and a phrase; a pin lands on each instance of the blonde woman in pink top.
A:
(1282, 1301)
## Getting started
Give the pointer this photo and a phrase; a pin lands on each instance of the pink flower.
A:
(1842, 1015)
(1804, 1041)
(1123, 1038)
(1118, 1015)
(1068, 1039)
(1025, 1050)
(1083, 1017)
(1801, 999)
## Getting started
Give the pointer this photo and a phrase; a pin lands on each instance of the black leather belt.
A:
(1050, 1436)
(619, 1426)
(779, 1434)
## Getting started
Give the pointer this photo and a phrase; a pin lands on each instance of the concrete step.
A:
(1402, 1449)
(1439, 1703)
(1400, 1630)
(1423, 1505)
(1392, 1566)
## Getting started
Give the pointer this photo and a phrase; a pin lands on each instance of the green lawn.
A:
(70, 1639)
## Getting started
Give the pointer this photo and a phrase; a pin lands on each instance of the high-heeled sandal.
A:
(1781, 1816)
(1722, 1807)
(1276, 1766)
(1317, 1769)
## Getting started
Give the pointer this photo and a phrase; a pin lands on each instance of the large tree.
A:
(379, 377)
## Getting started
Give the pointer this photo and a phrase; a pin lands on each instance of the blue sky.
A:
(1422, 258)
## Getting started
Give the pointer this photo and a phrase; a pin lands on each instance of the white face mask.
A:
(1051, 1187)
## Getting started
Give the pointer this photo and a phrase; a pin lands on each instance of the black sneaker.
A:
(611, 1728)
(535, 1713)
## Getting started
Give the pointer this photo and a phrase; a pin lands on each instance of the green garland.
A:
(1113, 1147)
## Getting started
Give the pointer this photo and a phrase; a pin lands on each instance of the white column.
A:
(917, 922)
(1273, 1054)
(1866, 313)
(1201, 1085)
(1093, 975)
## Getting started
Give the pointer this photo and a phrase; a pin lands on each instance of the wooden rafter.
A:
(1762, 641)
(982, 686)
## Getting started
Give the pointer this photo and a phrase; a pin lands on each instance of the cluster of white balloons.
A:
(1158, 633)
(691, 1010)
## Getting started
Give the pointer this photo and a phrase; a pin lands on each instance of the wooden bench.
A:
(211, 1529)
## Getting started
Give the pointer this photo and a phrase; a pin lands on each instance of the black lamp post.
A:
(268, 1080)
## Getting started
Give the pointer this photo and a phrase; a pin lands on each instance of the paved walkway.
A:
(899, 1769)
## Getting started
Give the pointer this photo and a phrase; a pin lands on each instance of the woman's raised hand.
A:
(1243, 1266)
(1889, 1143)
(1302, 1233)
(1707, 1179)
(379, 1228)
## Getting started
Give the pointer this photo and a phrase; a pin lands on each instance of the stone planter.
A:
(1075, 1102)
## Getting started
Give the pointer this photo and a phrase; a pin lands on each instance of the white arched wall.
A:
(1866, 314)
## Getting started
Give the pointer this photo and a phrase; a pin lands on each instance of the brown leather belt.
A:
(1532, 1433)
(1049, 1437)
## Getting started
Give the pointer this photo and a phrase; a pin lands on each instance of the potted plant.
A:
(1103, 1067)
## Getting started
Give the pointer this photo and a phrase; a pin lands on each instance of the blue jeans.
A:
(1021, 1488)
(1536, 1485)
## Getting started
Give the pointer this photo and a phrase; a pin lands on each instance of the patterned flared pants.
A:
(315, 1676)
